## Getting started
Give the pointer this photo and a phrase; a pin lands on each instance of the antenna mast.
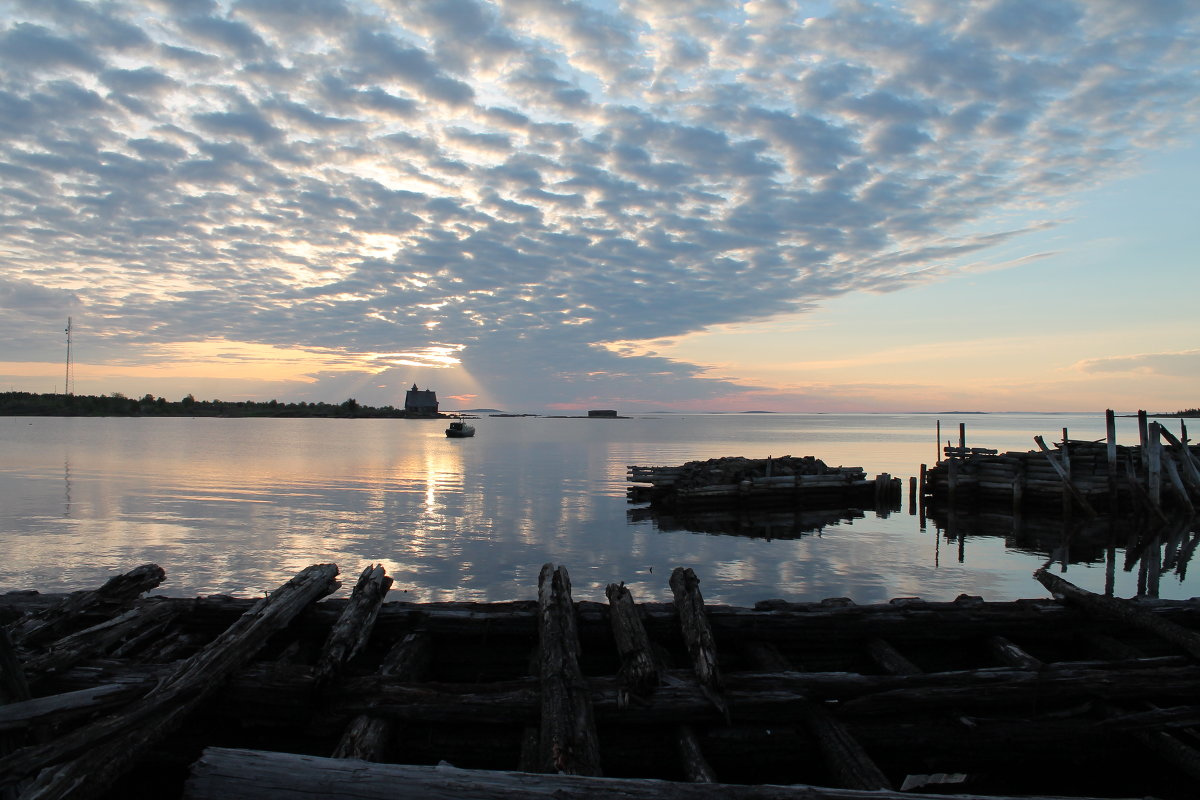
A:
(67, 386)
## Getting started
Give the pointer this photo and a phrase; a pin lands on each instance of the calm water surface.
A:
(237, 506)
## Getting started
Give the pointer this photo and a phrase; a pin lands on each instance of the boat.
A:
(460, 430)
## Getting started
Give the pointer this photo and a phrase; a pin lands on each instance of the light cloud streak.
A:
(507, 188)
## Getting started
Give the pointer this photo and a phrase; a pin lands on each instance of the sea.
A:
(238, 506)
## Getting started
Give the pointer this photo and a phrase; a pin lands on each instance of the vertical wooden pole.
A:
(912, 495)
(1154, 465)
(962, 434)
(1066, 463)
(1110, 429)
(938, 459)
(1142, 432)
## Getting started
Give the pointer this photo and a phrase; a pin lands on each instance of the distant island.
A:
(118, 405)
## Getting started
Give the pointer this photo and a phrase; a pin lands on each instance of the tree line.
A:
(118, 405)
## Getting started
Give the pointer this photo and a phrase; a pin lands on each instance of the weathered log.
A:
(117, 592)
(353, 628)
(223, 774)
(1066, 479)
(367, 736)
(697, 634)
(1115, 609)
(58, 708)
(14, 686)
(885, 655)
(77, 646)
(1011, 655)
(568, 740)
(638, 673)
(695, 766)
(844, 757)
(83, 763)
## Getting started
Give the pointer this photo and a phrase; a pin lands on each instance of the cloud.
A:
(518, 184)
(1181, 364)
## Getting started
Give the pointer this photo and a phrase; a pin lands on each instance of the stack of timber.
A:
(1094, 477)
(109, 694)
(803, 482)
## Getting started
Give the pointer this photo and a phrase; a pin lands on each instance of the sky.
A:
(642, 205)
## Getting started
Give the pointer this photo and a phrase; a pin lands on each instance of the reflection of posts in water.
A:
(66, 488)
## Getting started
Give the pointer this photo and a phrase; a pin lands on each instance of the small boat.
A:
(460, 430)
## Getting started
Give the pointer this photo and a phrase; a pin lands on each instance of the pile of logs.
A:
(1156, 477)
(805, 482)
(109, 693)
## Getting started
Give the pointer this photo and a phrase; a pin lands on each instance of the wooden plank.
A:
(82, 763)
(224, 774)
(568, 741)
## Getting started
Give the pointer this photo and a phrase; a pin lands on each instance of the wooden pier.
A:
(1158, 476)
(110, 693)
(802, 482)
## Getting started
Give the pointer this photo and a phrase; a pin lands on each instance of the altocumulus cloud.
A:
(519, 182)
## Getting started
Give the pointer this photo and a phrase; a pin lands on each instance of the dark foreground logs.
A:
(818, 694)
(82, 763)
(223, 774)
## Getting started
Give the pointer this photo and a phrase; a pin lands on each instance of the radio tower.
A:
(70, 366)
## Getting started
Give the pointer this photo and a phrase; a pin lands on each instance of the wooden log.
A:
(353, 628)
(99, 638)
(367, 737)
(892, 660)
(60, 708)
(225, 774)
(844, 757)
(695, 767)
(117, 592)
(1068, 486)
(697, 634)
(1011, 655)
(85, 761)
(638, 673)
(1121, 611)
(1189, 468)
(568, 741)
(14, 687)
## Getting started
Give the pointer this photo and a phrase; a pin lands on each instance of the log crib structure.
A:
(1160, 476)
(113, 694)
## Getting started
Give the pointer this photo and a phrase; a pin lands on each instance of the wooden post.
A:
(938, 459)
(912, 494)
(962, 434)
(352, 630)
(568, 741)
(1142, 431)
(1154, 465)
(638, 673)
(1110, 429)
(702, 647)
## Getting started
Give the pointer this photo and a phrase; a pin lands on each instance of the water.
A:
(237, 506)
